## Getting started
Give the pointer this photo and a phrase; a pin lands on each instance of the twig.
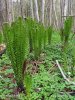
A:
(63, 73)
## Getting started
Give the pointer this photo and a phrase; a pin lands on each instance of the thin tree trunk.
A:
(55, 15)
(50, 14)
(69, 7)
(61, 13)
(42, 10)
(1, 13)
(36, 10)
(32, 12)
(21, 8)
(6, 11)
(66, 8)
(10, 11)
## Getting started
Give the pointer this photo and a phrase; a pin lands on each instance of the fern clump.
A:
(65, 32)
(36, 36)
(17, 44)
(28, 84)
(50, 31)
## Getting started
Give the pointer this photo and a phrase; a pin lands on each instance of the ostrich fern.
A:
(36, 34)
(38, 39)
(50, 31)
(17, 47)
(29, 24)
(66, 30)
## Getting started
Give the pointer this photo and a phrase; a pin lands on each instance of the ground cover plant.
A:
(28, 69)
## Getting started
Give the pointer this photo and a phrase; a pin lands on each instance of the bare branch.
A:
(63, 73)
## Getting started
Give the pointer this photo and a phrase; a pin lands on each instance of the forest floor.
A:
(47, 81)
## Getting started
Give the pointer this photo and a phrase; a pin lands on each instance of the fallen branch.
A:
(63, 73)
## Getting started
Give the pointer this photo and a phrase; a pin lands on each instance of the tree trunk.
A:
(9, 11)
(21, 8)
(42, 10)
(6, 11)
(1, 13)
(66, 8)
(61, 13)
(36, 10)
(54, 13)
(32, 12)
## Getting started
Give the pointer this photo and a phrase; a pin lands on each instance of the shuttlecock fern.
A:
(66, 30)
(17, 47)
(50, 31)
(28, 84)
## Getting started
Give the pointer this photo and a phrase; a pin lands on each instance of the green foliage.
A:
(28, 84)
(37, 38)
(6, 84)
(49, 86)
(67, 28)
(17, 47)
(1, 38)
(28, 35)
(4, 60)
(65, 32)
(50, 31)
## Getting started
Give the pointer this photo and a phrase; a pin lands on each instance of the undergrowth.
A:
(40, 47)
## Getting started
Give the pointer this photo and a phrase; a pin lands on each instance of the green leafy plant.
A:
(50, 31)
(38, 40)
(36, 36)
(65, 32)
(1, 38)
(28, 84)
(17, 48)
